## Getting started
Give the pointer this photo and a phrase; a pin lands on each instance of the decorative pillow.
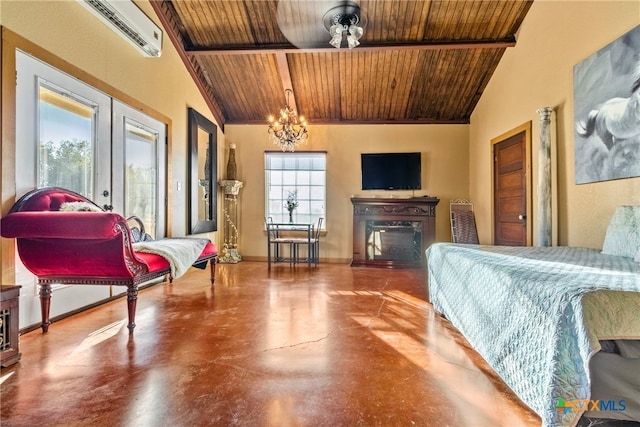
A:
(79, 207)
(623, 233)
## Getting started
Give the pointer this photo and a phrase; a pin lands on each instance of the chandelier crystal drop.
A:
(288, 130)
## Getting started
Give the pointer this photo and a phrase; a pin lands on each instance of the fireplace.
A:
(393, 232)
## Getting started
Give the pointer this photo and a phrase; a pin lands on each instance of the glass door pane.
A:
(66, 142)
(139, 167)
(141, 173)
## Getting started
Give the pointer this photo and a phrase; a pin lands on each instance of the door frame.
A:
(526, 128)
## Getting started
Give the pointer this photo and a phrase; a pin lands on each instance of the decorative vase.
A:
(291, 217)
(232, 170)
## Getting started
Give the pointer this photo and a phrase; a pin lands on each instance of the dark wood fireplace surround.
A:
(393, 232)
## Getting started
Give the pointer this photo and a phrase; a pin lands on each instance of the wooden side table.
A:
(9, 319)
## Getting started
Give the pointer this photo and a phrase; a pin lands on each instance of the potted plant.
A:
(292, 204)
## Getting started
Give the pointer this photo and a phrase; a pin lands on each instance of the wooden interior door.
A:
(511, 183)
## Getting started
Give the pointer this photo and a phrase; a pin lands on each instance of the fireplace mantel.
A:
(393, 232)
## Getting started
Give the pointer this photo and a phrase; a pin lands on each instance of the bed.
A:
(560, 325)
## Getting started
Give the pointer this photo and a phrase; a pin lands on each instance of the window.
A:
(301, 174)
(141, 172)
(66, 141)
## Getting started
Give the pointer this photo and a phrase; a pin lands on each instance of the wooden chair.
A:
(463, 223)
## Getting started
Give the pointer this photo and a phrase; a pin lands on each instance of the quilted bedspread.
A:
(535, 314)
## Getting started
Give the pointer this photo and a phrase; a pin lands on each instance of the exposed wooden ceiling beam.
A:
(285, 76)
(367, 122)
(287, 48)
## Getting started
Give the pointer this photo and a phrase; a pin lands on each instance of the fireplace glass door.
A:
(394, 240)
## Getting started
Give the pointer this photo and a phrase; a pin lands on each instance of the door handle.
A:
(107, 207)
(522, 217)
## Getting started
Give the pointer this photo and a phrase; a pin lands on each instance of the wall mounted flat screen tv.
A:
(391, 171)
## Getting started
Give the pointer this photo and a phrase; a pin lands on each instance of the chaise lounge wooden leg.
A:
(212, 269)
(45, 306)
(132, 300)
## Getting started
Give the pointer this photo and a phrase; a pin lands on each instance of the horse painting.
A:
(607, 111)
(615, 120)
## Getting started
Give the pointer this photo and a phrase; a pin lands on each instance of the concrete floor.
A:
(326, 346)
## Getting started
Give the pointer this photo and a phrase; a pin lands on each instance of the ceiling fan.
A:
(319, 23)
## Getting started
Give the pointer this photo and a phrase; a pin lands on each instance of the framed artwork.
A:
(606, 90)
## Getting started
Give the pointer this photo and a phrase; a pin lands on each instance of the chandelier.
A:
(344, 19)
(288, 130)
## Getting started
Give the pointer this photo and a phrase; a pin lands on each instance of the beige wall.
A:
(537, 73)
(71, 33)
(445, 166)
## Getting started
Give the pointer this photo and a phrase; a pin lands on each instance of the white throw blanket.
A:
(180, 252)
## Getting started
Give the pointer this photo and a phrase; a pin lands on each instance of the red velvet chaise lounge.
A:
(84, 248)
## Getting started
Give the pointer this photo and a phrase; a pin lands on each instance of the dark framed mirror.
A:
(203, 174)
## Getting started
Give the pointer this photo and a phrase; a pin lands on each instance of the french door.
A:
(139, 167)
(138, 170)
(71, 135)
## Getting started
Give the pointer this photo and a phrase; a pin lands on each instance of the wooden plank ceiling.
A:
(419, 61)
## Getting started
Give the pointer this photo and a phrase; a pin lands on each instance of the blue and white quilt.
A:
(535, 314)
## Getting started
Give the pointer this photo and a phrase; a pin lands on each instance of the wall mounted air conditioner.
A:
(126, 19)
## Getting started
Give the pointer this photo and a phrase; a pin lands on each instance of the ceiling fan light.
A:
(356, 32)
(336, 32)
(352, 41)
